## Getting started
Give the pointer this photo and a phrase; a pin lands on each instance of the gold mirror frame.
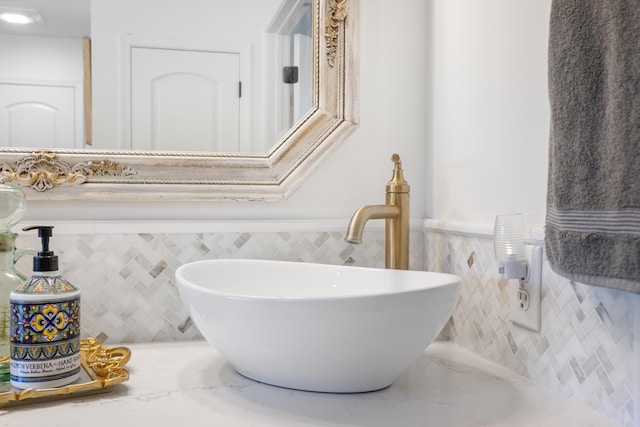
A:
(147, 175)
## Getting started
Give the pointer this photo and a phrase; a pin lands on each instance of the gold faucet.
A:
(395, 212)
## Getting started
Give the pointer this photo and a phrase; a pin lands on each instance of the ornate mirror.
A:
(273, 174)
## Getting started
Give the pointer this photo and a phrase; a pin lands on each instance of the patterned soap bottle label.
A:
(45, 341)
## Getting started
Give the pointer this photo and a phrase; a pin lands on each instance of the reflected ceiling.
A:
(62, 18)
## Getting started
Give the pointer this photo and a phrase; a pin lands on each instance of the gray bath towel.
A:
(592, 232)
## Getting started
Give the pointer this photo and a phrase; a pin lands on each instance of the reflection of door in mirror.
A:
(185, 100)
(290, 55)
(34, 114)
(41, 92)
(119, 27)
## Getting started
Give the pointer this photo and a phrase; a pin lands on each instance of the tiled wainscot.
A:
(585, 349)
(584, 352)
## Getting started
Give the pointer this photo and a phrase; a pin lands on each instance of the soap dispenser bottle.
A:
(45, 324)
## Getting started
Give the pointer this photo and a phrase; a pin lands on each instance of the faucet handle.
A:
(397, 184)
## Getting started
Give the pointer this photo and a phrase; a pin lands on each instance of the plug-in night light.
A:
(508, 246)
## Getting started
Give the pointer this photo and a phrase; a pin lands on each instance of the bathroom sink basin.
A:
(316, 327)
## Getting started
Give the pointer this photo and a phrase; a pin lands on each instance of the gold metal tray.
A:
(102, 368)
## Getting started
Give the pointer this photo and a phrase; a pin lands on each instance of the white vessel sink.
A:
(316, 327)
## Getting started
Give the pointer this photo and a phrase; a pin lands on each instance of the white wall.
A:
(40, 59)
(491, 116)
(394, 118)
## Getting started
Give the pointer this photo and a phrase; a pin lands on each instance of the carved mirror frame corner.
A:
(124, 175)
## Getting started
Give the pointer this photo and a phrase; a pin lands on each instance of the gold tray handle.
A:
(107, 363)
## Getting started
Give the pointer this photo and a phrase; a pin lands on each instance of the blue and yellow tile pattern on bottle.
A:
(45, 333)
(45, 340)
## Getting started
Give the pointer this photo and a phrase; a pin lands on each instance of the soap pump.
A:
(45, 324)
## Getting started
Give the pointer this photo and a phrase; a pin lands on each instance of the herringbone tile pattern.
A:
(127, 280)
(585, 348)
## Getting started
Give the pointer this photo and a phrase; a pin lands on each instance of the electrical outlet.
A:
(523, 299)
(525, 309)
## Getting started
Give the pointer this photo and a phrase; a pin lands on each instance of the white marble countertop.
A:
(190, 384)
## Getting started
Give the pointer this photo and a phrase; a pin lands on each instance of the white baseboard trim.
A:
(222, 226)
(534, 235)
(459, 228)
(174, 227)
(261, 226)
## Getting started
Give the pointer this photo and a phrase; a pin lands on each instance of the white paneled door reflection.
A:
(40, 115)
(184, 100)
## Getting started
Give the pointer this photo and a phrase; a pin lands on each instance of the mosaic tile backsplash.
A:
(127, 280)
(584, 351)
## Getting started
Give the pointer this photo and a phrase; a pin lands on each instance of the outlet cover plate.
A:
(529, 318)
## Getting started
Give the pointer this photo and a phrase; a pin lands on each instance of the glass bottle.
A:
(10, 278)
(12, 209)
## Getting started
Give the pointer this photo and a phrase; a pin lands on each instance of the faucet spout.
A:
(395, 212)
(364, 214)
